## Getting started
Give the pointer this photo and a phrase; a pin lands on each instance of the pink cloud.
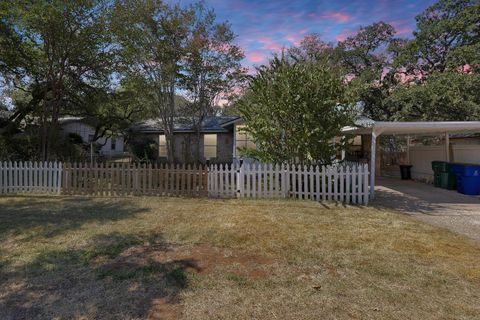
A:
(273, 47)
(270, 44)
(293, 39)
(404, 30)
(401, 27)
(342, 36)
(337, 16)
(255, 56)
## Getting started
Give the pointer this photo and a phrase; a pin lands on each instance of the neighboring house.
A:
(220, 138)
(109, 146)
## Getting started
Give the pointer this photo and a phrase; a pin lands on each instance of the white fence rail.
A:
(344, 183)
(30, 177)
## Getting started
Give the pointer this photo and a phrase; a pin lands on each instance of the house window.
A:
(357, 141)
(113, 144)
(243, 139)
(210, 146)
(162, 146)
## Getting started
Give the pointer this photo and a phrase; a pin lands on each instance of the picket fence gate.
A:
(339, 182)
(30, 177)
(118, 179)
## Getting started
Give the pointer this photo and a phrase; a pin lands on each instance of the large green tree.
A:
(59, 53)
(211, 68)
(167, 49)
(360, 53)
(444, 96)
(440, 65)
(363, 61)
(366, 62)
(447, 37)
(153, 37)
(294, 110)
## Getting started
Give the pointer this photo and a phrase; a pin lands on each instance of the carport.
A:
(365, 126)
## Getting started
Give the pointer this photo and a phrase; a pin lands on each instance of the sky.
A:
(264, 27)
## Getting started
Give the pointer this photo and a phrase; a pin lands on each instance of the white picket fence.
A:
(342, 182)
(30, 177)
(346, 183)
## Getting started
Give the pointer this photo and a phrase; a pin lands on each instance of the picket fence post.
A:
(240, 173)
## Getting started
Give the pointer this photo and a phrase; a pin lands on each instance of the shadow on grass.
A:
(118, 276)
(37, 216)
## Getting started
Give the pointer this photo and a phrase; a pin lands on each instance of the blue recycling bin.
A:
(468, 178)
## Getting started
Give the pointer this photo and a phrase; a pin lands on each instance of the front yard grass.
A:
(166, 258)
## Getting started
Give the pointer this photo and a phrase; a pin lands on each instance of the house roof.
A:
(368, 126)
(465, 135)
(212, 124)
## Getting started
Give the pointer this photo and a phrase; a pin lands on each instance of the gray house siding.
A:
(186, 147)
(224, 147)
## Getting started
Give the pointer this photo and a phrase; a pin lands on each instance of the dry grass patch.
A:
(134, 258)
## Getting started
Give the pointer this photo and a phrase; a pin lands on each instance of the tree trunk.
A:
(167, 114)
(43, 135)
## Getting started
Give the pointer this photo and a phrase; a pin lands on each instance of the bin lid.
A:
(464, 164)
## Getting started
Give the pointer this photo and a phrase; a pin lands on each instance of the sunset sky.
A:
(266, 26)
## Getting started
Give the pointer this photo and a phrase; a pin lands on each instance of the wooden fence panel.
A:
(134, 179)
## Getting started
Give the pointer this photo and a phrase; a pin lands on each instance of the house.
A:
(111, 147)
(220, 139)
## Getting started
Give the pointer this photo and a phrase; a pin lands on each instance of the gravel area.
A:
(443, 208)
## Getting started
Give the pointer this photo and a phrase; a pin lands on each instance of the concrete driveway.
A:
(443, 208)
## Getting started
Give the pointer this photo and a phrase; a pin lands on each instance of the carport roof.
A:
(368, 126)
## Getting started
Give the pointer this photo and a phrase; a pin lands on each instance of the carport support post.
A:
(408, 149)
(373, 150)
(447, 147)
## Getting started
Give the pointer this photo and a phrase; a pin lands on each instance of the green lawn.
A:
(163, 258)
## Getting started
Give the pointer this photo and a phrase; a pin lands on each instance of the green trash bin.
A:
(448, 181)
(437, 179)
(438, 168)
(442, 175)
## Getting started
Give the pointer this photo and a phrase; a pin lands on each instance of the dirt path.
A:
(443, 208)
